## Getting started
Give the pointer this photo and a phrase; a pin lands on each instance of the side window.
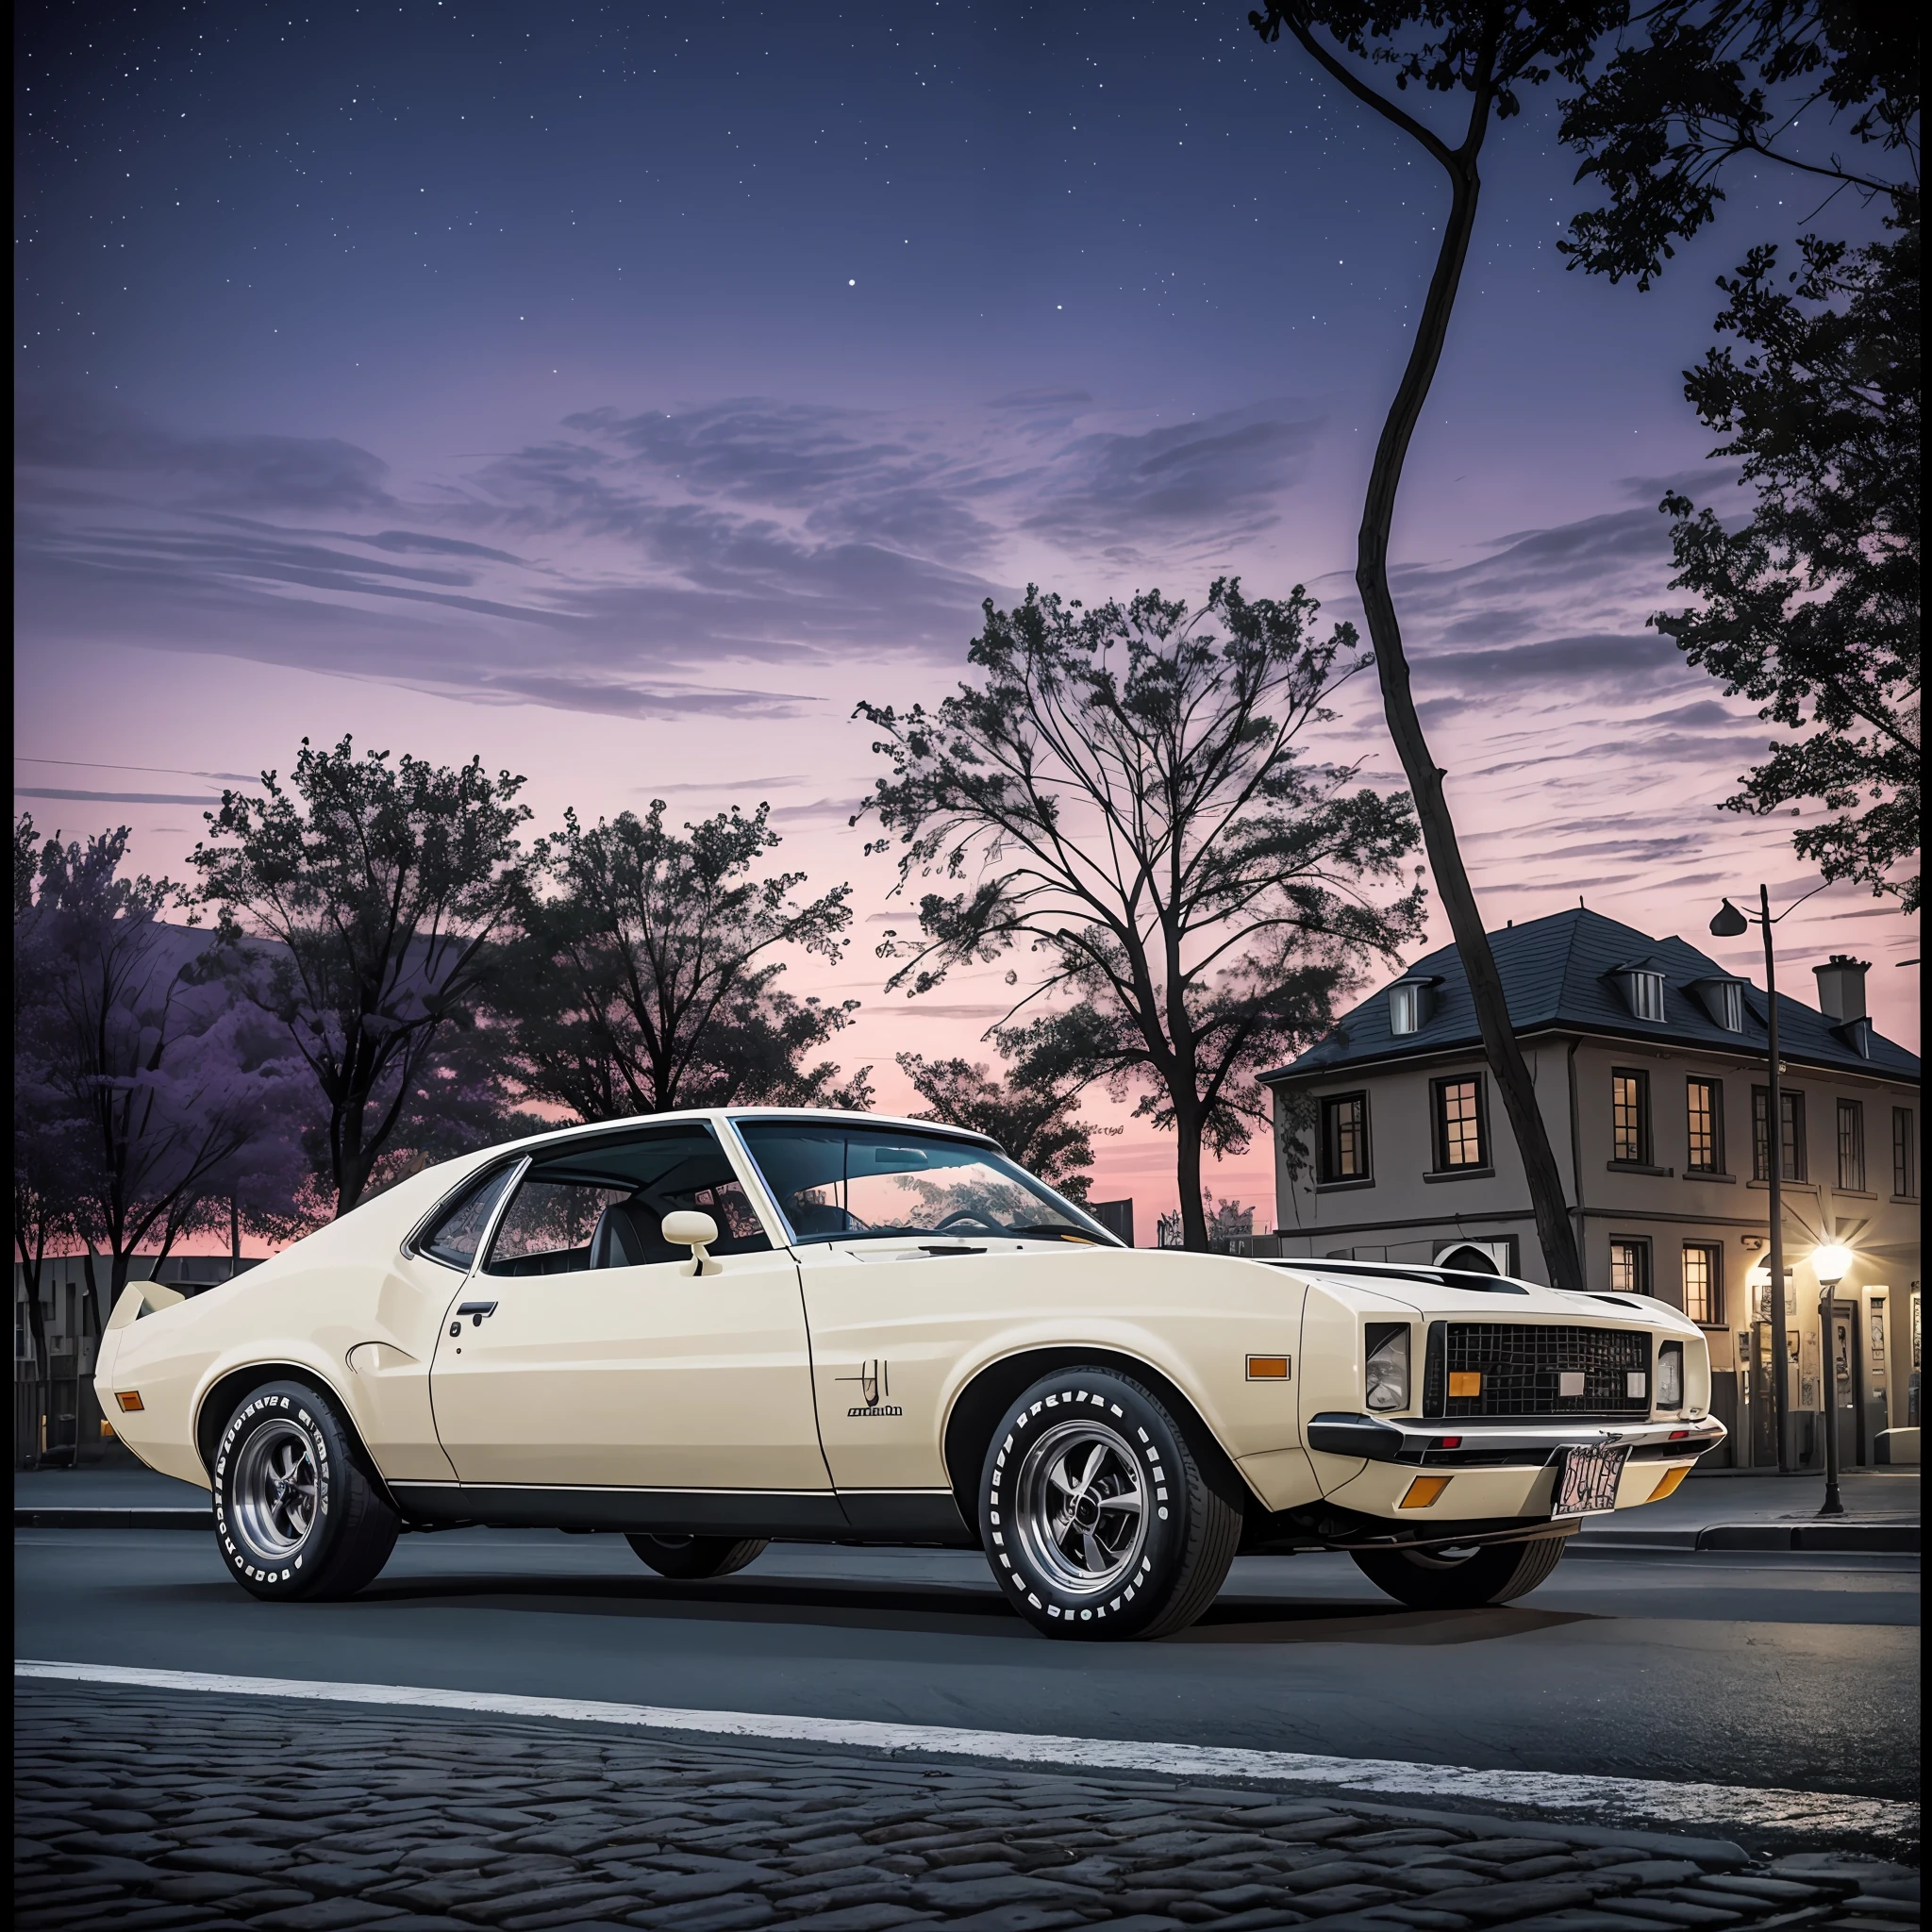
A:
(600, 1203)
(453, 1239)
(550, 1227)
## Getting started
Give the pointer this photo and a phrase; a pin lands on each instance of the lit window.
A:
(1851, 1145)
(1703, 1113)
(1630, 1267)
(1703, 1284)
(1459, 1123)
(1630, 1117)
(1345, 1137)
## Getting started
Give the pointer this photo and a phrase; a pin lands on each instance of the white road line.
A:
(1607, 1800)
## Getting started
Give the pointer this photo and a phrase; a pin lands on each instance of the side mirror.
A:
(689, 1229)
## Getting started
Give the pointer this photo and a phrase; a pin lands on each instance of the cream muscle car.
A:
(708, 1329)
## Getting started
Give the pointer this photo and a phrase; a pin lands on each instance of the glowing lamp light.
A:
(1831, 1263)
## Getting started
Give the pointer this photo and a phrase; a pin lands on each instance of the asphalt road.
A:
(1794, 1671)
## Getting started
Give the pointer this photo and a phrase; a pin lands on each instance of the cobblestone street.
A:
(138, 1811)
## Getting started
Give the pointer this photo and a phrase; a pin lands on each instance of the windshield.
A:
(837, 1183)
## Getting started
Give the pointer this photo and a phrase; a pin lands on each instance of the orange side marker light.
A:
(1466, 1382)
(1669, 1486)
(1267, 1368)
(130, 1400)
(1424, 1490)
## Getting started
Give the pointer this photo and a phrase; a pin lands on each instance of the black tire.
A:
(1111, 1568)
(692, 1559)
(1436, 1580)
(297, 1514)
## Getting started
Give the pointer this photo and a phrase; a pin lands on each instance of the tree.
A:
(646, 980)
(167, 1096)
(46, 1163)
(1035, 1119)
(1811, 607)
(1710, 81)
(1488, 50)
(1121, 792)
(381, 888)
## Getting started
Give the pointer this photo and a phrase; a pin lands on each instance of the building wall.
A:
(1659, 1207)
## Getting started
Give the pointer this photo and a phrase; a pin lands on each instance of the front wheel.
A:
(1462, 1580)
(1097, 1513)
(296, 1515)
(694, 1558)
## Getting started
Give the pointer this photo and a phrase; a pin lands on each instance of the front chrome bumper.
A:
(1529, 1443)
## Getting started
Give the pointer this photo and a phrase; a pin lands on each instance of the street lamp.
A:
(1830, 1263)
(1729, 923)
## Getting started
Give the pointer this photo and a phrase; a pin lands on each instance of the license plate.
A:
(1587, 1485)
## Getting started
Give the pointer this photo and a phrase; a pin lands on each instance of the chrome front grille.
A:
(1523, 1367)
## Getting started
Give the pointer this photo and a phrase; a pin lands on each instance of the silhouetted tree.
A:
(1488, 51)
(645, 978)
(382, 886)
(165, 1095)
(1035, 1119)
(1701, 84)
(1121, 793)
(1811, 607)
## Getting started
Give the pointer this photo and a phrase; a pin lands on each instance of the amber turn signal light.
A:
(1424, 1491)
(130, 1400)
(1466, 1382)
(1669, 1486)
(1267, 1368)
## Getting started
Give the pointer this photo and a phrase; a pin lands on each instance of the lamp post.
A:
(1730, 922)
(1830, 1263)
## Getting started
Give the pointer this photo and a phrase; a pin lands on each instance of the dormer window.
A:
(1856, 1034)
(1645, 989)
(1408, 1005)
(1724, 1000)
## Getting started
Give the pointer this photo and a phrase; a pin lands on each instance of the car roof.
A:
(573, 1129)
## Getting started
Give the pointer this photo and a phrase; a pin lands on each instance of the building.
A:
(1649, 1065)
(56, 1420)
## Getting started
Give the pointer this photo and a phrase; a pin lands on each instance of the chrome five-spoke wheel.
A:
(1080, 1506)
(1096, 1513)
(298, 1511)
(276, 1489)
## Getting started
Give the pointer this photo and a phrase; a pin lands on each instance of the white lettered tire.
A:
(1097, 1516)
(296, 1516)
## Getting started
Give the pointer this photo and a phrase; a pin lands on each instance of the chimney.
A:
(1841, 987)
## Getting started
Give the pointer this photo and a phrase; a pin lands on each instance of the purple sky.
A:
(623, 392)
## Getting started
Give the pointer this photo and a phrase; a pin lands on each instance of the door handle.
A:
(476, 1312)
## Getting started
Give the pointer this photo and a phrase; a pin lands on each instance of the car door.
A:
(912, 1254)
(585, 1352)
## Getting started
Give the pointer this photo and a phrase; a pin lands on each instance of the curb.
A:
(113, 1518)
(1845, 1539)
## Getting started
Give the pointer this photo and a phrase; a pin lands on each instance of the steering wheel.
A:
(985, 1220)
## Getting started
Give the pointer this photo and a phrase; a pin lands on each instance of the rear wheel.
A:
(691, 1558)
(1098, 1515)
(296, 1514)
(1462, 1580)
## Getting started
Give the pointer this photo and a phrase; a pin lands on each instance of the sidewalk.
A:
(106, 1499)
(1741, 1511)
(1745, 1510)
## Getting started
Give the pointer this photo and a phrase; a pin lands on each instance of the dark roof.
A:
(1559, 972)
